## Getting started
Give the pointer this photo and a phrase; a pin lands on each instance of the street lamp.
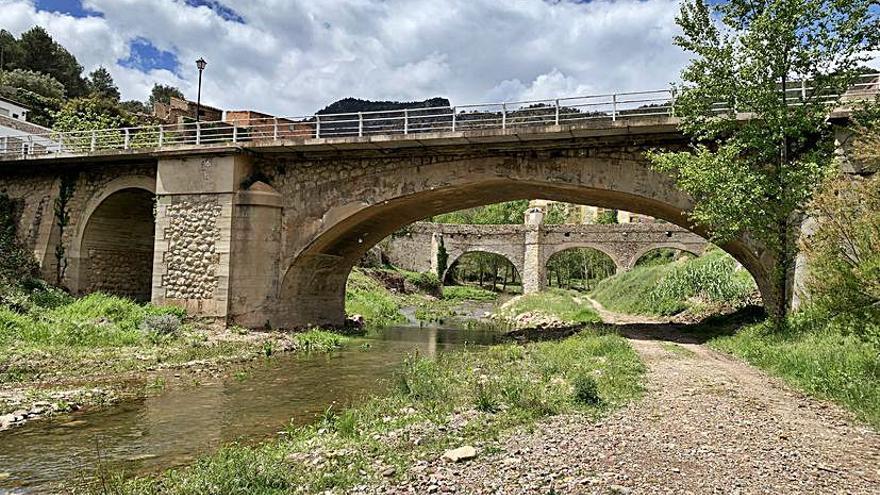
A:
(200, 63)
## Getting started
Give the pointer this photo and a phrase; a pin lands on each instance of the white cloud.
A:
(294, 57)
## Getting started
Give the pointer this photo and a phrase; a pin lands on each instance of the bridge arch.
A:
(313, 286)
(452, 260)
(614, 256)
(112, 248)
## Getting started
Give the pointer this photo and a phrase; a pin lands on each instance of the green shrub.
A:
(424, 282)
(586, 390)
(844, 269)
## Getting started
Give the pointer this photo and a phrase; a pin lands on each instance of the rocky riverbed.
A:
(707, 424)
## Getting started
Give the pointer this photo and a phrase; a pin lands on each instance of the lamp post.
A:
(200, 63)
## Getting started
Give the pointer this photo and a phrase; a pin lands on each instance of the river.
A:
(174, 427)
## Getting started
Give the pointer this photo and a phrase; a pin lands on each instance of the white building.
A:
(17, 135)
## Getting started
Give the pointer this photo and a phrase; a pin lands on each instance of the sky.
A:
(294, 57)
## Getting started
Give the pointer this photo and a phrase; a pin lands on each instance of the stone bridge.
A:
(266, 232)
(529, 247)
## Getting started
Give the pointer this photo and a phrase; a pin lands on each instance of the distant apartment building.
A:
(17, 135)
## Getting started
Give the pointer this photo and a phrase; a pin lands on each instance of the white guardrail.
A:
(407, 121)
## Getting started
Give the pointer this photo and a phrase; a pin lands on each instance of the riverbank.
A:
(457, 405)
(59, 354)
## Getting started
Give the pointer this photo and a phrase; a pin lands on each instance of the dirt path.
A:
(707, 424)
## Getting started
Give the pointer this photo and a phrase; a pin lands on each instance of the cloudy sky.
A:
(293, 57)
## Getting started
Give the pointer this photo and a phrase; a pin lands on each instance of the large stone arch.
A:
(516, 261)
(328, 240)
(112, 248)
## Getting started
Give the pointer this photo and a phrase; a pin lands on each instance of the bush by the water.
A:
(462, 397)
(712, 279)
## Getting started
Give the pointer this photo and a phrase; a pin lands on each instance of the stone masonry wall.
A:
(123, 273)
(192, 260)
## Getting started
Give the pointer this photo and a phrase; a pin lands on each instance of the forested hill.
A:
(348, 105)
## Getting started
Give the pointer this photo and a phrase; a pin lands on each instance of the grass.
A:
(367, 297)
(816, 357)
(466, 397)
(710, 280)
(468, 293)
(560, 303)
(50, 340)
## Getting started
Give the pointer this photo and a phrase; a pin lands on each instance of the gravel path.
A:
(707, 424)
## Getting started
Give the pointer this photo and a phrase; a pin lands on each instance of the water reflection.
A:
(183, 422)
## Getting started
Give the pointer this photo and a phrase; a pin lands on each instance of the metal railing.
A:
(520, 115)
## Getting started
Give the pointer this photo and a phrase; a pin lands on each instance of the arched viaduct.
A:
(266, 232)
(417, 247)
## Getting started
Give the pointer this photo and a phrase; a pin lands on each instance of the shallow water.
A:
(182, 422)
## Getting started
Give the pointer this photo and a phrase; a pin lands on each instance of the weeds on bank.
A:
(816, 356)
(669, 289)
(462, 397)
(367, 297)
(468, 293)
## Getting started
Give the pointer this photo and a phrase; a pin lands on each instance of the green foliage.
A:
(748, 58)
(486, 269)
(844, 268)
(92, 113)
(367, 297)
(565, 305)
(607, 217)
(818, 357)
(162, 93)
(500, 388)
(35, 82)
(423, 281)
(466, 293)
(661, 256)
(579, 268)
(316, 340)
(37, 51)
(92, 321)
(41, 93)
(510, 212)
(101, 85)
(62, 219)
(713, 279)
(17, 263)
(586, 389)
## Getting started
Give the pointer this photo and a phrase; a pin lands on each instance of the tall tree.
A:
(10, 52)
(762, 142)
(43, 54)
(101, 84)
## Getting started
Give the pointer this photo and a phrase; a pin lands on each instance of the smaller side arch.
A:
(551, 250)
(76, 280)
(453, 259)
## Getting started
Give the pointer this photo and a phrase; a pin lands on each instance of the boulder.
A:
(460, 454)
